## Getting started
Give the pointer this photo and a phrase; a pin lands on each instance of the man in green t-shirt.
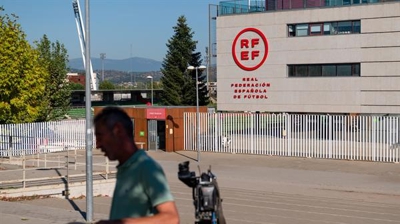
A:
(141, 192)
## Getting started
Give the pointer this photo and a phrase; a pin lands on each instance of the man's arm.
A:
(167, 213)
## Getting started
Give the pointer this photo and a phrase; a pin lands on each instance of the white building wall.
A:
(377, 48)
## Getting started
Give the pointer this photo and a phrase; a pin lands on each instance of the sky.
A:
(118, 28)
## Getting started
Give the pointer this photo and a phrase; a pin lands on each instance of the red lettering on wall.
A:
(244, 55)
(244, 43)
(255, 42)
(250, 88)
(254, 54)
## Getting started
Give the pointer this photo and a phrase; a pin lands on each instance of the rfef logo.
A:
(250, 49)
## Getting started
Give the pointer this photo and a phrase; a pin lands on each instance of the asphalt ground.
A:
(256, 189)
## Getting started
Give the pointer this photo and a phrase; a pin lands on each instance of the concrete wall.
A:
(376, 48)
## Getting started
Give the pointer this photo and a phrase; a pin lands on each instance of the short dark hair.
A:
(112, 115)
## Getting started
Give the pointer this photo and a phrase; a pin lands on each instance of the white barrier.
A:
(371, 138)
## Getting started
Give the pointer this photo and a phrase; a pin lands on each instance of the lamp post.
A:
(102, 57)
(151, 77)
(201, 68)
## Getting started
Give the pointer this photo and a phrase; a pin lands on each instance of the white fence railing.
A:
(372, 138)
(33, 138)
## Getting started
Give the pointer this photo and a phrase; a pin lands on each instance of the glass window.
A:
(302, 30)
(315, 29)
(314, 70)
(301, 70)
(356, 27)
(344, 70)
(327, 28)
(334, 29)
(356, 70)
(291, 30)
(346, 2)
(291, 71)
(344, 27)
(330, 28)
(329, 70)
(326, 70)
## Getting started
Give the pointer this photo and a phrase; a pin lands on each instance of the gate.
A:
(152, 135)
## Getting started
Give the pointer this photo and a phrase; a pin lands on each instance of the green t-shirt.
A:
(141, 186)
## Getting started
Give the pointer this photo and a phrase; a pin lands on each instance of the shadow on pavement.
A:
(76, 208)
(188, 157)
(73, 204)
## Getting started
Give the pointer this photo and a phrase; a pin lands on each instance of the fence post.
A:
(330, 134)
(252, 137)
(289, 133)
(374, 133)
(23, 170)
(38, 158)
(9, 147)
(216, 134)
(67, 174)
(75, 157)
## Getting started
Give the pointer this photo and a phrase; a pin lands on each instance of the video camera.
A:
(205, 192)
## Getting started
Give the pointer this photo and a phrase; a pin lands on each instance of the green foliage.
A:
(54, 58)
(106, 85)
(76, 86)
(189, 96)
(22, 78)
(179, 85)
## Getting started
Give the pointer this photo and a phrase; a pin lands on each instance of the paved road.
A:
(258, 189)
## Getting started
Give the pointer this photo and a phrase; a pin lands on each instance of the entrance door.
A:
(156, 134)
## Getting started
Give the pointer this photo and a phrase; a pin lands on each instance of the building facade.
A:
(76, 78)
(311, 56)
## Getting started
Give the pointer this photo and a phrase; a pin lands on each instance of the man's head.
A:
(113, 130)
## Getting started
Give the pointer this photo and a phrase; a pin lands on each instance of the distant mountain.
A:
(134, 64)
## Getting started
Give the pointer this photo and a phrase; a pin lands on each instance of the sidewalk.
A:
(257, 189)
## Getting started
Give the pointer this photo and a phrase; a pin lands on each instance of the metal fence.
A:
(34, 138)
(57, 168)
(370, 138)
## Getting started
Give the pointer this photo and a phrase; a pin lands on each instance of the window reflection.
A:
(301, 29)
(329, 70)
(325, 28)
(324, 70)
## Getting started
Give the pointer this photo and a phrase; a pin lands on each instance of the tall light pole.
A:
(201, 68)
(151, 78)
(102, 57)
(89, 134)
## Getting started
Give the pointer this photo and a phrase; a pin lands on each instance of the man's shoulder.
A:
(147, 161)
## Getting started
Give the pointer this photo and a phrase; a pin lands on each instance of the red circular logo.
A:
(250, 49)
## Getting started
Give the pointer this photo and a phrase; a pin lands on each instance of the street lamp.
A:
(151, 77)
(102, 57)
(201, 68)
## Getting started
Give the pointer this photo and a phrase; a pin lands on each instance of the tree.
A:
(179, 85)
(76, 86)
(106, 85)
(22, 78)
(189, 97)
(54, 58)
